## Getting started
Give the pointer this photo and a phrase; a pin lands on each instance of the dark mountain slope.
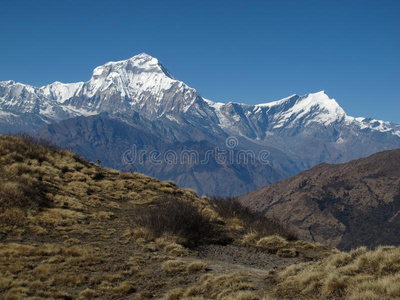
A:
(146, 147)
(346, 205)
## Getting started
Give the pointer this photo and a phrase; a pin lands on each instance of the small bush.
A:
(287, 252)
(196, 266)
(98, 175)
(229, 208)
(176, 249)
(174, 266)
(21, 192)
(221, 287)
(21, 176)
(176, 217)
(272, 243)
(124, 288)
(32, 148)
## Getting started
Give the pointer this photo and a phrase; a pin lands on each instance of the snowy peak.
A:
(320, 101)
(138, 84)
(141, 73)
(18, 97)
(136, 64)
(314, 107)
(290, 112)
(61, 92)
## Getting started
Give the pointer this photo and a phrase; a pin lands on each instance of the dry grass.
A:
(179, 218)
(29, 270)
(182, 267)
(196, 266)
(174, 266)
(217, 287)
(251, 225)
(276, 244)
(49, 194)
(359, 274)
(123, 289)
(272, 243)
(287, 252)
(176, 249)
(71, 230)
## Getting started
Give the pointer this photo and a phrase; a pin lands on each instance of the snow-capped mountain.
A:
(299, 131)
(142, 84)
(139, 84)
(292, 112)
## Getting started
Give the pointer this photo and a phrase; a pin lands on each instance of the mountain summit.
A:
(129, 77)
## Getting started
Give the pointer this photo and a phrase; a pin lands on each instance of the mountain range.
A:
(135, 115)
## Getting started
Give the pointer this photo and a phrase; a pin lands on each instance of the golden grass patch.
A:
(142, 234)
(174, 266)
(123, 289)
(219, 287)
(273, 242)
(196, 266)
(359, 273)
(58, 217)
(287, 252)
(105, 215)
(176, 249)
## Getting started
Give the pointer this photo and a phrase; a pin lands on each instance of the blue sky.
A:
(241, 51)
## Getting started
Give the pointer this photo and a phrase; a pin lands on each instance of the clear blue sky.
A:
(242, 51)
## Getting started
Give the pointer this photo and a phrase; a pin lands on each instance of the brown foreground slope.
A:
(72, 230)
(345, 205)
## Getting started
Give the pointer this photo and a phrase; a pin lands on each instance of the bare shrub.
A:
(33, 148)
(176, 217)
(20, 193)
(229, 208)
(21, 183)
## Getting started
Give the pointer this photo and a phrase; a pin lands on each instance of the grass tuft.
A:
(359, 274)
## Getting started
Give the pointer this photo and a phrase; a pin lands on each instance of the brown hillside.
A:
(346, 205)
(72, 230)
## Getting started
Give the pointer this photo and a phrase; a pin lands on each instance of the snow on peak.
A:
(129, 77)
(314, 107)
(143, 55)
(275, 103)
(61, 91)
(8, 82)
(376, 125)
(143, 83)
(318, 97)
(138, 63)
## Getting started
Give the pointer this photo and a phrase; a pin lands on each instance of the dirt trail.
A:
(241, 258)
(220, 259)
